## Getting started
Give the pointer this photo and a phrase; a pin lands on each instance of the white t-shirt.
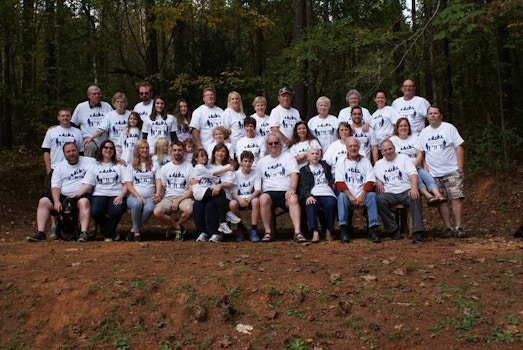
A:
(144, 110)
(144, 181)
(367, 140)
(205, 119)
(107, 178)
(205, 178)
(246, 184)
(68, 178)
(275, 173)
(114, 124)
(396, 174)
(158, 128)
(126, 143)
(262, 125)
(344, 115)
(256, 145)
(234, 121)
(226, 177)
(407, 146)
(181, 134)
(355, 174)
(335, 151)
(285, 119)
(210, 147)
(302, 148)
(324, 129)
(382, 122)
(175, 178)
(321, 183)
(166, 159)
(415, 110)
(91, 119)
(56, 137)
(439, 145)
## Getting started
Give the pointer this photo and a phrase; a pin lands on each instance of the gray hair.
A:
(323, 99)
(278, 136)
(350, 138)
(352, 92)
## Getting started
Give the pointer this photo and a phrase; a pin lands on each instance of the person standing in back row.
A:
(412, 107)
(283, 117)
(145, 107)
(205, 118)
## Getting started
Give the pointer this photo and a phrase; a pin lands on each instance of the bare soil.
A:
(159, 294)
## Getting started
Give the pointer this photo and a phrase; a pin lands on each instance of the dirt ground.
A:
(159, 294)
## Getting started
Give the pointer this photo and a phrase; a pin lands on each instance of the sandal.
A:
(267, 237)
(298, 237)
(315, 237)
(433, 201)
(442, 199)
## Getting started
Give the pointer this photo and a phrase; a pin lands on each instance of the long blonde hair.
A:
(159, 146)
(137, 164)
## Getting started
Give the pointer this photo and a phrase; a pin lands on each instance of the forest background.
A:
(465, 55)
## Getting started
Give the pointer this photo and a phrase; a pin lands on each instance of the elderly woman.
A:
(315, 191)
(262, 120)
(279, 175)
(324, 125)
(108, 178)
(353, 99)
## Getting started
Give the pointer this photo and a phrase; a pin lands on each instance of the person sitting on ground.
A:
(245, 195)
(142, 188)
(173, 186)
(302, 140)
(444, 157)
(279, 175)
(355, 181)
(210, 182)
(315, 191)
(65, 181)
(407, 143)
(251, 142)
(108, 178)
(397, 183)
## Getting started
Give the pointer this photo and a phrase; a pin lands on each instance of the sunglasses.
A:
(273, 143)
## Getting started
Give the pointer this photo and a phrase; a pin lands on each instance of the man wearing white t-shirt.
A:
(412, 107)
(66, 180)
(444, 156)
(89, 117)
(279, 175)
(205, 118)
(397, 183)
(283, 117)
(145, 107)
(355, 179)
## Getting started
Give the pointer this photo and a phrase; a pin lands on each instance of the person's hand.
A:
(414, 193)
(216, 190)
(379, 187)
(174, 206)
(290, 192)
(118, 200)
(311, 200)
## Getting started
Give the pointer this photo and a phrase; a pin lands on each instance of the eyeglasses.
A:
(105, 147)
(275, 143)
(144, 93)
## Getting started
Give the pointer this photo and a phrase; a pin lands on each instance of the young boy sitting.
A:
(245, 195)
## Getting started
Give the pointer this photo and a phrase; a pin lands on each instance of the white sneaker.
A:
(232, 218)
(224, 228)
(108, 239)
(215, 238)
(202, 237)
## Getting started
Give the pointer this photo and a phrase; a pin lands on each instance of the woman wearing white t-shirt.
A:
(262, 120)
(141, 186)
(324, 125)
(302, 140)
(160, 124)
(233, 117)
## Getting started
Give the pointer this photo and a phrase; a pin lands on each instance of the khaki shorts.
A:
(451, 184)
(167, 202)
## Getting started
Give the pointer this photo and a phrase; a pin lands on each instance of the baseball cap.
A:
(284, 90)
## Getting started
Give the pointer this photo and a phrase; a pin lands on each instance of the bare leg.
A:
(444, 212)
(163, 217)
(84, 207)
(425, 192)
(457, 211)
(294, 212)
(186, 215)
(265, 211)
(255, 213)
(43, 213)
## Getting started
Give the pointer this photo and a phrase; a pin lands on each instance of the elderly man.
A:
(174, 184)
(355, 181)
(444, 154)
(412, 107)
(145, 107)
(89, 117)
(283, 117)
(66, 180)
(397, 183)
(205, 118)
(279, 174)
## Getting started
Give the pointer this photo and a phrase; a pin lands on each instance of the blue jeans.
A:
(139, 212)
(205, 216)
(328, 203)
(425, 179)
(369, 202)
(106, 214)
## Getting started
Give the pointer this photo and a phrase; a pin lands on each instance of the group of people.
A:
(212, 163)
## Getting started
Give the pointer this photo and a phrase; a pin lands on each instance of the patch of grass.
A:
(235, 292)
(121, 343)
(296, 313)
(110, 329)
(296, 344)
(187, 289)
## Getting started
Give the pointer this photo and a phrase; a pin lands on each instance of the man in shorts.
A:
(279, 177)
(173, 184)
(66, 180)
(444, 155)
